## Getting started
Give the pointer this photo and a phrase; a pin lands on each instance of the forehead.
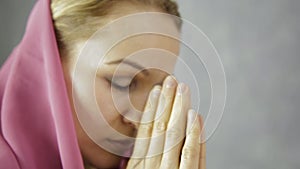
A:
(157, 22)
(147, 50)
(138, 43)
(110, 47)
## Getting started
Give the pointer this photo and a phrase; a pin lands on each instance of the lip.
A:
(121, 145)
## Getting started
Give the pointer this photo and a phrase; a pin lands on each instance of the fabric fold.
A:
(36, 124)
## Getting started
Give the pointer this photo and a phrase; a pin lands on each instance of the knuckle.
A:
(174, 134)
(146, 129)
(188, 153)
(160, 126)
(195, 132)
(167, 97)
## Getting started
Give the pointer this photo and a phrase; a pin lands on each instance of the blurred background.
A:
(258, 42)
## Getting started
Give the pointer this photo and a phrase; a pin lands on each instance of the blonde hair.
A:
(72, 17)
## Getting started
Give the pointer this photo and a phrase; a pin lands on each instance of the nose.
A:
(132, 118)
(135, 108)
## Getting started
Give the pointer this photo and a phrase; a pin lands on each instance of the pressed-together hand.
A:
(169, 132)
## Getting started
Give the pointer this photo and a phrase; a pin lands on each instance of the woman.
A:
(40, 123)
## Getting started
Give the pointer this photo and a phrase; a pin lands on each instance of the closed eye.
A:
(121, 83)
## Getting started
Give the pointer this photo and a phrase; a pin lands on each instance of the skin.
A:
(187, 153)
(140, 97)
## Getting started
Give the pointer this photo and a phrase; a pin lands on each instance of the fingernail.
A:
(191, 119)
(192, 116)
(181, 88)
(156, 91)
(170, 82)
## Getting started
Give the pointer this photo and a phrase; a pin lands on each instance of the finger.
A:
(176, 128)
(191, 149)
(160, 124)
(202, 158)
(145, 129)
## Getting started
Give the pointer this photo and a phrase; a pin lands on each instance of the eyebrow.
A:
(130, 63)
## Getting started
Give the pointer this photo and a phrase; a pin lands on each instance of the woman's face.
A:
(120, 112)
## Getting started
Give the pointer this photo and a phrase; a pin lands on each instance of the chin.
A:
(100, 160)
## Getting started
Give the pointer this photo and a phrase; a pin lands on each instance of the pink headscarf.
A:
(37, 130)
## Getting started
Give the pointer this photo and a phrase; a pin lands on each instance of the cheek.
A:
(139, 95)
(104, 100)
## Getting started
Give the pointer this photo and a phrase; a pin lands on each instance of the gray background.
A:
(258, 41)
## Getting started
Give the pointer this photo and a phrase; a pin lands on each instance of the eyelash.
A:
(122, 88)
